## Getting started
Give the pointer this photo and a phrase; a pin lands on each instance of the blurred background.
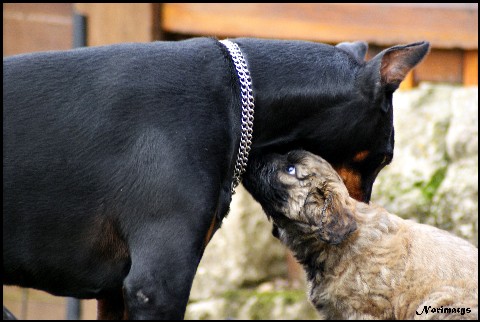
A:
(245, 272)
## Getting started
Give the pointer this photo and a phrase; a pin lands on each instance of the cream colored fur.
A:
(388, 268)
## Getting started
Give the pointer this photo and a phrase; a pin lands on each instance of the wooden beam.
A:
(29, 27)
(444, 25)
(470, 68)
(441, 66)
(109, 23)
(408, 82)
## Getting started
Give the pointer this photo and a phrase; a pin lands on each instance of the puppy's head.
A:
(301, 191)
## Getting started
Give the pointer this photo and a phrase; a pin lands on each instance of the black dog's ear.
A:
(334, 221)
(394, 63)
(399, 60)
(358, 49)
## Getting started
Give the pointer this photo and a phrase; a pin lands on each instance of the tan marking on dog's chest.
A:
(209, 234)
(352, 180)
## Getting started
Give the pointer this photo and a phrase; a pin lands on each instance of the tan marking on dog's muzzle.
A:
(360, 156)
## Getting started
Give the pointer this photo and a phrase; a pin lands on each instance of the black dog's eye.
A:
(291, 169)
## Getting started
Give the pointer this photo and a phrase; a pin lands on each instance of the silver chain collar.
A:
(248, 106)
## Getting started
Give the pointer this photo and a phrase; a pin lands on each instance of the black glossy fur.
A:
(117, 158)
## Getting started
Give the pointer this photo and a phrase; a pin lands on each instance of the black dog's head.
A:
(332, 102)
(301, 191)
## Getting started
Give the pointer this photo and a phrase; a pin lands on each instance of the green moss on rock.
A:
(429, 188)
(252, 304)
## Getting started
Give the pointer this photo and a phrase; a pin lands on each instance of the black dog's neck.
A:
(323, 85)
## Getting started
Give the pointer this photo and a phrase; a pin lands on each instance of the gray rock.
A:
(462, 136)
(242, 252)
(433, 176)
(455, 204)
(214, 309)
(254, 304)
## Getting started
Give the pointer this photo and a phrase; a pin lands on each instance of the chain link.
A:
(248, 106)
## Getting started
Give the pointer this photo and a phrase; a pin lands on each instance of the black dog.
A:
(118, 160)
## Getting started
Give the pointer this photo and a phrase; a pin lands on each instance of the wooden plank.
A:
(29, 27)
(408, 82)
(470, 68)
(441, 66)
(109, 23)
(49, 9)
(444, 25)
(42, 306)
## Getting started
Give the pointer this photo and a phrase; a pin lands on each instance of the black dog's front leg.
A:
(112, 306)
(165, 256)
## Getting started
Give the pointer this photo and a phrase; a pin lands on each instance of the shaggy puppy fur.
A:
(361, 261)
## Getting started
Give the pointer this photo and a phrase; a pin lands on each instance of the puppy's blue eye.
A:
(291, 169)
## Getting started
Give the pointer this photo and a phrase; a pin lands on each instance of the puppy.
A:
(361, 261)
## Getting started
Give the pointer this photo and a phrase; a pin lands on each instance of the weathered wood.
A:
(110, 23)
(444, 25)
(29, 27)
(408, 82)
(441, 66)
(470, 68)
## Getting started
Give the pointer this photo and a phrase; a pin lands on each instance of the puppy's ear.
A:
(335, 222)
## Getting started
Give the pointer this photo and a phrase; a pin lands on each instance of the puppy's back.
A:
(453, 256)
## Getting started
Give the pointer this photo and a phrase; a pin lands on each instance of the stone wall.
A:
(432, 179)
